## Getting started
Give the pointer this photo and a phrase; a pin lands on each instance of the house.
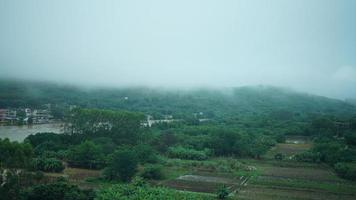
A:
(7, 116)
(38, 116)
(41, 116)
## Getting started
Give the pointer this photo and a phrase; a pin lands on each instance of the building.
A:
(7, 116)
(41, 116)
(37, 116)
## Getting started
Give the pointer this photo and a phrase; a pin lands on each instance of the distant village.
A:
(28, 116)
(25, 116)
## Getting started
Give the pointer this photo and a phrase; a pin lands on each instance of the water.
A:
(19, 133)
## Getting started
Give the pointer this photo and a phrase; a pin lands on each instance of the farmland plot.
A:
(289, 179)
(254, 192)
(199, 183)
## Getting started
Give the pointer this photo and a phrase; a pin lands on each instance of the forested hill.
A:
(277, 102)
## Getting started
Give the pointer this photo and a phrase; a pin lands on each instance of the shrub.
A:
(47, 164)
(345, 170)
(189, 154)
(138, 182)
(152, 172)
(57, 191)
(86, 155)
(122, 165)
(14, 154)
(280, 138)
(133, 192)
(145, 154)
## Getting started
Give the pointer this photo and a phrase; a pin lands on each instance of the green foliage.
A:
(47, 164)
(152, 172)
(225, 142)
(329, 151)
(122, 165)
(14, 154)
(45, 147)
(214, 103)
(185, 153)
(132, 192)
(280, 138)
(57, 191)
(138, 181)
(106, 144)
(165, 140)
(10, 186)
(345, 170)
(228, 142)
(145, 154)
(41, 138)
(121, 126)
(86, 155)
(222, 192)
(350, 138)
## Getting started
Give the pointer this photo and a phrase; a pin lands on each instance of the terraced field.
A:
(264, 179)
(294, 180)
(248, 179)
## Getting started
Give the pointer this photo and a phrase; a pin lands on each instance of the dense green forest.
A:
(105, 133)
(279, 103)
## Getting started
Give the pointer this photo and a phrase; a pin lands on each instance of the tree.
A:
(350, 137)
(86, 155)
(345, 170)
(10, 186)
(121, 126)
(145, 154)
(324, 125)
(152, 172)
(14, 154)
(57, 191)
(224, 142)
(47, 164)
(122, 165)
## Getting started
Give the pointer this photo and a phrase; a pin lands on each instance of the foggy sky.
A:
(308, 45)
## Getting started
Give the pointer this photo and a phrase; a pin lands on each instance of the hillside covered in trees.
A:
(211, 103)
(212, 144)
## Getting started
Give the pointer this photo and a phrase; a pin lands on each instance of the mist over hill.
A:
(249, 100)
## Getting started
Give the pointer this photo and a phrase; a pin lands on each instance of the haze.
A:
(306, 45)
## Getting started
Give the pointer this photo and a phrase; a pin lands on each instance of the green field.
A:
(294, 180)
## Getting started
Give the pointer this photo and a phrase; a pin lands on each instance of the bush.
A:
(189, 154)
(152, 172)
(86, 155)
(57, 191)
(133, 192)
(122, 165)
(14, 154)
(145, 154)
(47, 164)
(280, 138)
(346, 171)
(45, 147)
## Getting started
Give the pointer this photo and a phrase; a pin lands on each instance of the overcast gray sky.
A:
(308, 45)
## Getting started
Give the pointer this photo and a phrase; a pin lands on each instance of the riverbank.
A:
(19, 133)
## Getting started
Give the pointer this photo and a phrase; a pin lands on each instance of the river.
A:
(19, 133)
